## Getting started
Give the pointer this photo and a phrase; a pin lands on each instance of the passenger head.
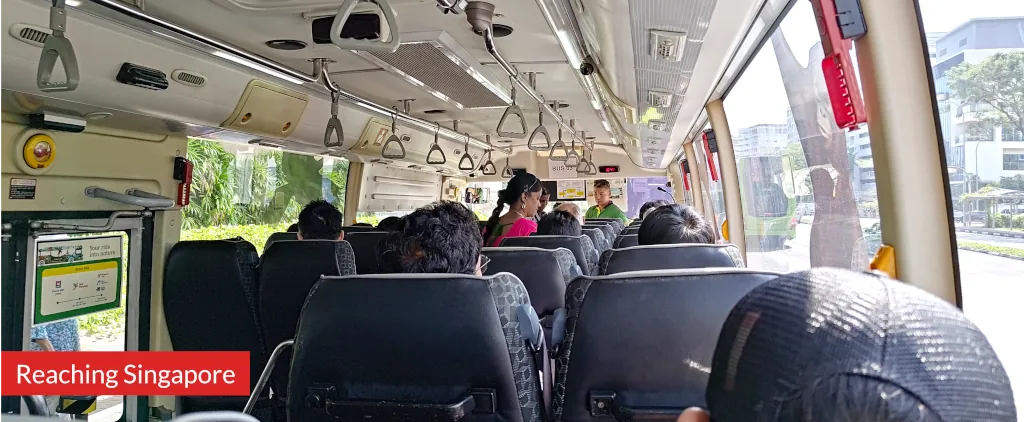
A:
(294, 228)
(545, 196)
(571, 208)
(389, 224)
(674, 223)
(559, 223)
(442, 237)
(522, 194)
(320, 220)
(602, 192)
(650, 205)
(845, 346)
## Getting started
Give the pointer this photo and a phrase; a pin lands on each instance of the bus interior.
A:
(183, 137)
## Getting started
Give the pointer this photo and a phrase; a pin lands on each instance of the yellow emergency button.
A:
(40, 151)
(725, 230)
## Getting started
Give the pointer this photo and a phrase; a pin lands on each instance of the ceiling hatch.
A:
(435, 62)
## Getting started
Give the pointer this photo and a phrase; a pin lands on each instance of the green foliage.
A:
(984, 247)
(1002, 221)
(1015, 182)
(369, 218)
(997, 82)
(107, 323)
(795, 152)
(256, 234)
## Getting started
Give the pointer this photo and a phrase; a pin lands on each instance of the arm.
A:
(40, 337)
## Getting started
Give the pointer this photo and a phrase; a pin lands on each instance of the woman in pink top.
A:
(523, 196)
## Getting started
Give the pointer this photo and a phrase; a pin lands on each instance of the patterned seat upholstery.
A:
(582, 248)
(567, 263)
(605, 227)
(414, 347)
(364, 244)
(670, 257)
(538, 270)
(625, 241)
(617, 224)
(649, 360)
(209, 300)
(597, 236)
(288, 270)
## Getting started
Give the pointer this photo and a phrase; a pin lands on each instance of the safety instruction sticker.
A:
(22, 189)
(77, 276)
(569, 190)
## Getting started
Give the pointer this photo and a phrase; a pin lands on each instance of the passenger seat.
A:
(606, 229)
(440, 347)
(209, 301)
(364, 244)
(601, 242)
(582, 248)
(638, 346)
(275, 237)
(670, 257)
(288, 270)
(625, 241)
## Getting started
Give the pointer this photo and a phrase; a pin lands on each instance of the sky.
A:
(759, 96)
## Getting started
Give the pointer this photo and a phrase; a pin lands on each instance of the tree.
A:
(1014, 183)
(795, 152)
(997, 82)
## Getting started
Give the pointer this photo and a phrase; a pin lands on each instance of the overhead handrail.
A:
(435, 148)
(334, 125)
(57, 46)
(394, 37)
(488, 169)
(111, 221)
(134, 197)
(513, 109)
(393, 139)
(463, 165)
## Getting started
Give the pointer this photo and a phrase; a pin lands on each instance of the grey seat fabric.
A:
(606, 228)
(641, 342)
(364, 244)
(288, 270)
(670, 257)
(209, 299)
(280, 236)
(630, 230)
(373, 347)
(585, 257)
(615, 222)
(357, 229)
(625, 241)
(539, 271)
(597, 236)
(567, 263)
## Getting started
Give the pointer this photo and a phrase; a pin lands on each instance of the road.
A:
(992, 288)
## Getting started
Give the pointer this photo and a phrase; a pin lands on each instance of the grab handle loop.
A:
(513, 109)
(393, 139)
(394, 39)
(334, 125)
(488, 169)
(540, 130)
(559, 144)
(435, 148)
(507, 171)
(572, 158)
(57, 46)
(466, 163)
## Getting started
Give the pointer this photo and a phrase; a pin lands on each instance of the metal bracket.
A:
(366, 45)
(393, 139)
(57, 46)
(334, 125)
(436, 148)
(513, 109)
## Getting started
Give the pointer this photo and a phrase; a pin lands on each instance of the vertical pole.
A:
(910, 164)
(729, 174)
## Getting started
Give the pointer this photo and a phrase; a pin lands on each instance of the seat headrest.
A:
(275, 237)
(625, 241)
(358, 229)
(630, 230)
(659, 351)
(600, 240)
(667, 257)
(537, 268)
(365, 246)
(572, 243)
(466, 326)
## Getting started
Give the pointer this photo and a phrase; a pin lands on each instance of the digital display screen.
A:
(608, 169)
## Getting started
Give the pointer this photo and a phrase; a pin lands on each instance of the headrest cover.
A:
(890, 350)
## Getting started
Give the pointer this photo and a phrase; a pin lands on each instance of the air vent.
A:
(660, 99)
(667, 45)
(188, 77)
(30, 34)
(656, 124)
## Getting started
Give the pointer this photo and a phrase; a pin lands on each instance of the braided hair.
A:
(519, 184)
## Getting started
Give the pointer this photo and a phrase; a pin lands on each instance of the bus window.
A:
(250, 191)
(806, 186)
(977, 53)
(640, 190)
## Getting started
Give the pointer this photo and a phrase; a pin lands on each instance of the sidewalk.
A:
(991, 232)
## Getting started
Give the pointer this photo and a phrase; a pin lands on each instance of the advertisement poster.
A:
(77, 276)
(571, 190)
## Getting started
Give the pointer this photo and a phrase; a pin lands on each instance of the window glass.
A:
(982, 121)
(640, 190)
(251, 191)
(802, 179)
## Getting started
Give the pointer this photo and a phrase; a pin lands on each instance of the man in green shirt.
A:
(605, 208)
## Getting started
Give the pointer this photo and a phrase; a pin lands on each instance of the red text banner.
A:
(125, 373)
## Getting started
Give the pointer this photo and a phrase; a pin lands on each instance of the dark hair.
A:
(544, 192)
(362, 225)
(674, 223)
(320, 220)
(650, 205)
(518, 185)
(389, 224)
(853, 398)
(294, 228)
(602, 183)
(442, 237)
(559, 223)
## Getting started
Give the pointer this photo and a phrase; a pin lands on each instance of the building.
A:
(858, 142)
(760, 140)
(933, 40)
(976, 161)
